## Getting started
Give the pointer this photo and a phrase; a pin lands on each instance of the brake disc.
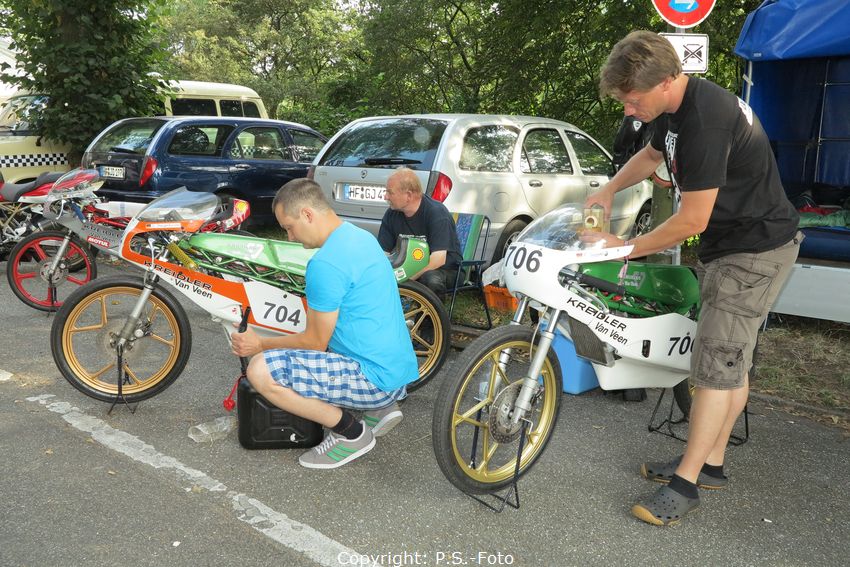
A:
(501, 428)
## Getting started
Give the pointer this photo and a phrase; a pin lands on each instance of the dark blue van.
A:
(249, 158)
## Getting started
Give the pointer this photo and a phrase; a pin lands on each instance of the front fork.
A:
(530, 383)
(54, 265)
(131, 329)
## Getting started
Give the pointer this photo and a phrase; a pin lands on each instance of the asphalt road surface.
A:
(80, 487)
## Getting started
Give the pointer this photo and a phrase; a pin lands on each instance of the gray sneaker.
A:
(383, 420)
(336, 450)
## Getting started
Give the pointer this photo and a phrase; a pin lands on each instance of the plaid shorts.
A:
(328, 376)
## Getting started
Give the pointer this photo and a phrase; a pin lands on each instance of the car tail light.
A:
(311, 171)
(148, 167)
(442, 188)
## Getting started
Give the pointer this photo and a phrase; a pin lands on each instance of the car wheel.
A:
(509, 234)
(643, 221)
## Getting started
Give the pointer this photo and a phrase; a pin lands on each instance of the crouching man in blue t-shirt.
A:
(356, 351)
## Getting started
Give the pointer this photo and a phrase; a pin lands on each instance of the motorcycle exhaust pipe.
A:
(46, 224)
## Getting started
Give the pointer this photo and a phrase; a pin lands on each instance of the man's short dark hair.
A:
(299, 193)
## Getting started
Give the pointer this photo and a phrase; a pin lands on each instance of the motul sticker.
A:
(99, 242)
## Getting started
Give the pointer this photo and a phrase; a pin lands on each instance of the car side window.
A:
(193, 107)
(230, 107)
(543, 151)
(592, 160)
(260, 143)
(199, 140)
(488, 148)
(306, 145)
(250, 109)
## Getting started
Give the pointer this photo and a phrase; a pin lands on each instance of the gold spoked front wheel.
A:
(475, 441)
(429, 327)
(86, 332)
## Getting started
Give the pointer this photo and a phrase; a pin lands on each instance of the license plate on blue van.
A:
(112, 172)
(359, 192)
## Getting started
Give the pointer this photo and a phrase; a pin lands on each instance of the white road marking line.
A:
(5, 376)
(265, 520)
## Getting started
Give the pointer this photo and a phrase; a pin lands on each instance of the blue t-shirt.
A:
(351, 273)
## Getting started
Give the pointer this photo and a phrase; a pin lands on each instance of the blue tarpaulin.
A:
(799, 86)
(796, 29)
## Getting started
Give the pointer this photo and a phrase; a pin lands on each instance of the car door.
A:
(192, 157)
(545, 170)
(260, 162)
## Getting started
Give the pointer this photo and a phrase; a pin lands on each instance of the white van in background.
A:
(24, 155)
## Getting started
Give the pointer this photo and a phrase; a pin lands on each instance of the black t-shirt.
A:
(432, 221)
(715, 140)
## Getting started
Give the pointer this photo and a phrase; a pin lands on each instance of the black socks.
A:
(715, 471)
(683, 487)
(348, 427)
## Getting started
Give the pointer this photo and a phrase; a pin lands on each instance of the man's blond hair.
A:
(639, 62)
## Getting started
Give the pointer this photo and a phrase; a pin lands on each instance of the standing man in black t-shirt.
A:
(415, 214)
(729, 191)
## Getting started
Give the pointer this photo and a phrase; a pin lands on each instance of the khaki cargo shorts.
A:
(737, 292)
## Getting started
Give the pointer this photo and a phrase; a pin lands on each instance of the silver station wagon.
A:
(510, 168)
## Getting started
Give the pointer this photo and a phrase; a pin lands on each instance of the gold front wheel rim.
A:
(89, 331)
(488, 467)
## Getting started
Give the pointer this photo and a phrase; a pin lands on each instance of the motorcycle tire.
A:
(28, 263)
(83, 332)
(472, 455)
(430, 330)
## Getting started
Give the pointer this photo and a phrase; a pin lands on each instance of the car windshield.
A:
(16, 113)
(565, 228)
(180, 205)
(388, 142)
(131, 137)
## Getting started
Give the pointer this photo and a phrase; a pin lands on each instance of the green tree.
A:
(91, 57)
(299, 55)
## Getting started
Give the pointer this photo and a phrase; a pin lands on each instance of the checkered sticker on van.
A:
(31, 160)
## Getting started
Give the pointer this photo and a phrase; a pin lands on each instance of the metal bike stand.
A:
(665, 427)
(120, 379)
(499, 501)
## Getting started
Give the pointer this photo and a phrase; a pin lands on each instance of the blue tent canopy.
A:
(796, 29)
(798, 83)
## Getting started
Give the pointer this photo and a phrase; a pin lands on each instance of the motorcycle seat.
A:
(12, 191)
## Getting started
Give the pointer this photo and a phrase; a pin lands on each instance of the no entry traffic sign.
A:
(683, 13)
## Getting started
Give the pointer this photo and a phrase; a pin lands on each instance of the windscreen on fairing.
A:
(565, 228)
(180, 205)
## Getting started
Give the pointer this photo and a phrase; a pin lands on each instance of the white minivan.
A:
(24, 155)
(510, 168)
